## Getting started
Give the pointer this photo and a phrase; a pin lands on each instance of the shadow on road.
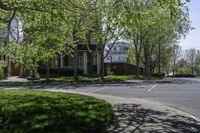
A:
(131, 118)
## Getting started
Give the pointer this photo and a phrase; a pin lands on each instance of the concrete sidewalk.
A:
(14, 79)
(141, 116)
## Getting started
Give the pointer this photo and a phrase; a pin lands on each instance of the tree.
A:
(197, 63)
(176, 55)
(58, 26)
(150, 29)
(47, 28)
(82, 23)
(182, 66)
(191, 56)
(109, 27)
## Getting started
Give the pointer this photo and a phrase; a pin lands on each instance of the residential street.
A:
(182, 93)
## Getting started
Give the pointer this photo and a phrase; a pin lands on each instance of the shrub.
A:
(109, 72)
(184, 75)
(158, 75)
(60, 72)
(28, 111)
(3, 65)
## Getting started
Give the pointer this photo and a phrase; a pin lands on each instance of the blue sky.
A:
(193, 39)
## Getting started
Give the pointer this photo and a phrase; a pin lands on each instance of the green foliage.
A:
(185, 70)
(197, 63)
(151, 28)
(52, 27)
(123, 78)
(3, 66)
(41, 111)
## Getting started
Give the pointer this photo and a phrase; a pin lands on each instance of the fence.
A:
(122, 69)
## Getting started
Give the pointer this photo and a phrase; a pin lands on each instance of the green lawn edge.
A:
(83, 80)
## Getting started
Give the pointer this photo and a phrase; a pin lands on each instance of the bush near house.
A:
(3, 65)
(185, 75)
(59, 72)
(158, 75)
(29, 111)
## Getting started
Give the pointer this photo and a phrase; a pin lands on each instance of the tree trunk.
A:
(75, 56)
(159, 59)
(48, 73)
(137, 55)
(174, 68)
(75, 65)
(102, 64)
(146, 63)
(137, 65)
(192, 69)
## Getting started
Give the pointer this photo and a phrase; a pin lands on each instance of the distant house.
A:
(116, 62)
(88, 62)
(117, 53)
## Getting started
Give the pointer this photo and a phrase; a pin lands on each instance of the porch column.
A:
(98, 63)
(9, 66)
(61, 60)
(85, 62)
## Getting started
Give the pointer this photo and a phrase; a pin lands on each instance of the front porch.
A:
(88, 62)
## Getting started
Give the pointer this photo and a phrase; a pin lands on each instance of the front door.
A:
(15, 70)
(92, 63)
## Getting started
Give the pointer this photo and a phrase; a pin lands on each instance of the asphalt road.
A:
(183, 94)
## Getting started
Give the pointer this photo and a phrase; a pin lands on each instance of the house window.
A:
(69, 61)
(93, 38)
(80, 61)
(66, 58)
(54, 63)
(94, 60)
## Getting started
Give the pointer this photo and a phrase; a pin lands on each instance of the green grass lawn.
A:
(31, 111)
(113, 78)
(108, 79)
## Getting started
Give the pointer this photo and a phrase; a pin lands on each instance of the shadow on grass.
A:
(132, 118)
